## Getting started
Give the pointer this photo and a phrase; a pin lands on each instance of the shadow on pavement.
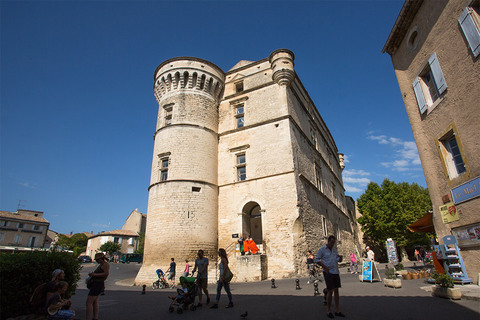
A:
(118, 305)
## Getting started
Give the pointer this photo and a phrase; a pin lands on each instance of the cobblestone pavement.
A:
(359, 300)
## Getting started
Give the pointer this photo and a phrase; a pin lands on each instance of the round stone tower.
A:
(183, 192)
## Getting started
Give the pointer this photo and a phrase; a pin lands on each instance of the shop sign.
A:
(449, 212)
(467, 236)
(466, 191)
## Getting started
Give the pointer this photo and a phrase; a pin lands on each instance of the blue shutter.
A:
(470, 31)
(422, 105)
(437, 73)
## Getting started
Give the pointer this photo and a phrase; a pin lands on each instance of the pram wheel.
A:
(179, 310)
(171, 309)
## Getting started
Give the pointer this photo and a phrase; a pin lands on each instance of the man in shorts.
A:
(328, 258)
(202, 277)
(171, 274)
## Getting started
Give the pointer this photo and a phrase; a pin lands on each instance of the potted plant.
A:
(391, 278)
(444, 287)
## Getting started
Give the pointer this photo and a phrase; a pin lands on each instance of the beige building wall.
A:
(203, 203)
(430, 27)
(23, 229)
(136, 221)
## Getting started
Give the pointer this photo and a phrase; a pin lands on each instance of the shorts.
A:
(332, 281)
(171, 276)
(202, 283)
(97, 288)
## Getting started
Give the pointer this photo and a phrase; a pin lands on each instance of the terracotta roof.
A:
(25, 217)
(128, 233)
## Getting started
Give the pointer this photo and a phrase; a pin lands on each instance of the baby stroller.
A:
(185, 295)
(161, 282)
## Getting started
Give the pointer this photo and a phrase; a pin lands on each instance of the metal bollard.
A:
(273, 284)
(297, 287)
(315, 289)
(143, 289)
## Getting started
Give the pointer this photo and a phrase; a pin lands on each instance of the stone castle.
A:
(242, 152)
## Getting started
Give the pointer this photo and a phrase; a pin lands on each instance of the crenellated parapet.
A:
(188, 74)
(281, 61)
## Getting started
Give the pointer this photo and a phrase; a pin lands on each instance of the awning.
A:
(424, 224)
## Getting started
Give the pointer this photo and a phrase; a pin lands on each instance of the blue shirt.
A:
(329, 258)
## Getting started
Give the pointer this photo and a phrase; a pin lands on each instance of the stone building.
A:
(127, 237)
(241, 152)
(22, 230)
(435, 47)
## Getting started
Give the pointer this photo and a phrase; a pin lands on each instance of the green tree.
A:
(388, 209)
(110, 247)
(77, 243)
(141, 243)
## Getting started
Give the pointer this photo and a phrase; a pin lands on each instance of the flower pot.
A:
(415, 276)
(407, 276)
(392, 283)
(448, 293)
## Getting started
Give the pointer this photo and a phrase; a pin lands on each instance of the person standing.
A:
(222, 267)
(187, 269)
(171, 272)
(353, 263)
(328, 258)
(370, 255)
(201, 264)
(99, 276)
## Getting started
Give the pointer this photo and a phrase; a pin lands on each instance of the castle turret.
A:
(281, 61)
(183, 192)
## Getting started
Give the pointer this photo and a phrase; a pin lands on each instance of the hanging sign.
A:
(448, 212)
(466, 191)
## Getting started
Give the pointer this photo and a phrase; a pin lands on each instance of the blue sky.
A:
(78, 112)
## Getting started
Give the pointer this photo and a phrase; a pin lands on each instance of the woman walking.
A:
(353, 263)
(99, 276)
(223, 265)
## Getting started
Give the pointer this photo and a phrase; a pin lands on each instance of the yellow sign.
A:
(449, 212)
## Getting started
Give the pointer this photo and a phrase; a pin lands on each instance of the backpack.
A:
(38, 296)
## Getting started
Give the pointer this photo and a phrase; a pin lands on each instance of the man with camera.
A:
(328, 258)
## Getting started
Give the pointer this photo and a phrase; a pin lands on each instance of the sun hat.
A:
(99, 255)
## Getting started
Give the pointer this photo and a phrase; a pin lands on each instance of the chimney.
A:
(71, 232)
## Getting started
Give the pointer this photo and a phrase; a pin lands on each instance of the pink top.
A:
(187, 267)
(353, 258)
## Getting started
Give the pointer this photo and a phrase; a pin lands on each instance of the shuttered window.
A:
(470, 29)
(429, 85)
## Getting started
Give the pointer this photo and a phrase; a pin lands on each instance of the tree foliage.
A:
(388, 209)
(110, 247)
(141, 243)
(22, 272)
(77, 242)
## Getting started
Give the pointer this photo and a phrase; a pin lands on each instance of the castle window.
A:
(313, 137)
(240, 115)
(324, 226)
(36, 227)
(239, 86)
(163, 169)
(241, 167)
(429, 85)
(470, 23)
(31, 241)
(5, 223)
(20, 225)
(452, 156)
(2, 236)
(18, 238)
(168, 114)
(318, 177)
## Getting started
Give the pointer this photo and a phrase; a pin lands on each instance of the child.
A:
(181, 292)
(57, 307)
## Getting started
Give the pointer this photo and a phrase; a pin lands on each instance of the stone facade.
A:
(242, 152)
(22, 230)
(127, 239)
(439, 40)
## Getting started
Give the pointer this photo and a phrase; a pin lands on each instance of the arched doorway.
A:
(252, 222)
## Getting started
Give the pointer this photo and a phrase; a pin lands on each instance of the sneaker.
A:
(230, 305)
(215, 306)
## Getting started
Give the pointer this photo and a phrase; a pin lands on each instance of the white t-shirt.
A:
(329, 258)
(370, 255)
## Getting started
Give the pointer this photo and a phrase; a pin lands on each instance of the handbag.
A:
(89, 282)
(227, 277)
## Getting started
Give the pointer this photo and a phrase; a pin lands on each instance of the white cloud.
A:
(349, 188)
(405, 151)
(354, 172)
(346, 158)
(359, 181)
(28, 185)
